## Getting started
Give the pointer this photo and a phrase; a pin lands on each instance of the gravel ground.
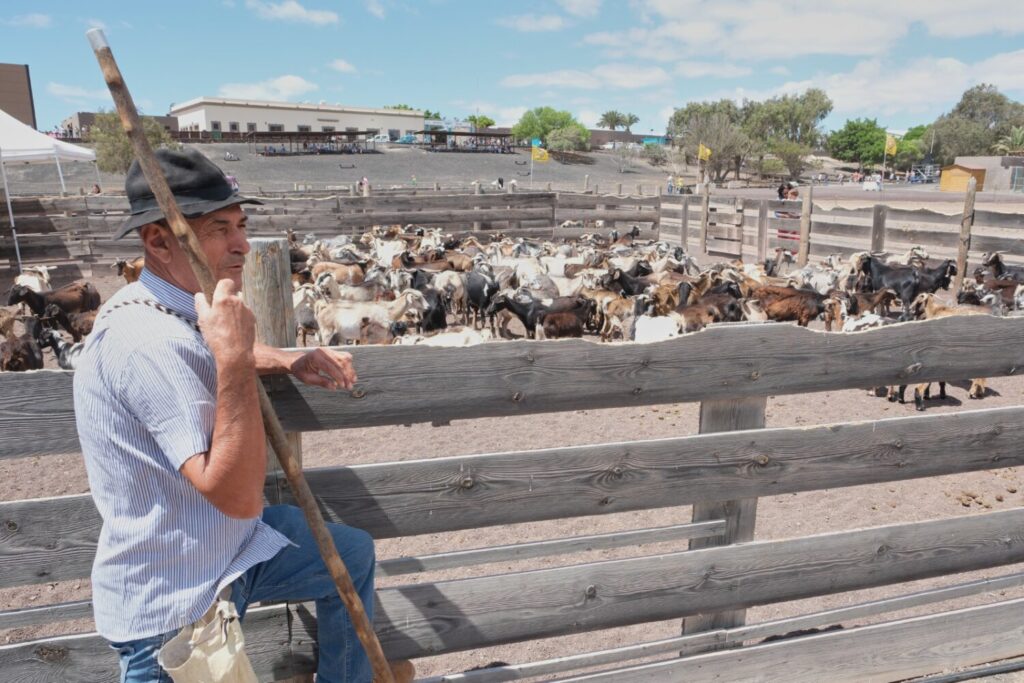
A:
(778, 516)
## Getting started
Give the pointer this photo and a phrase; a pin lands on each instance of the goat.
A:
(67, 354)
(304, 302)
(130, 270)
(344, 319)
(7, 320)
(20, 353)
(926, 307)
(344, 274)
(77, 297)
(649, 329)
(560, 324)
(78, 325)
(993, 260)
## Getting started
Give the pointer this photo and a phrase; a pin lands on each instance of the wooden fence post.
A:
(619, 191)
(366, 189)
(266, 289)
(740, 515)
(805, 227)
(512, 225)
(640, 190)
(878, 228)
(477, 189)
(586, 182)
(352, 190)
(684, 225)
(740, 209)
(656, 227)
(762, 230)
(705, 217)
(966, 223)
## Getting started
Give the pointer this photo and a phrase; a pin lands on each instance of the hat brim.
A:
(193, 210)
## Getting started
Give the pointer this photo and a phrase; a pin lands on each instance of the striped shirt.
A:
(145, 400)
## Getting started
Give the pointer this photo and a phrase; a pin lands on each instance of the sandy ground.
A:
(778, 517)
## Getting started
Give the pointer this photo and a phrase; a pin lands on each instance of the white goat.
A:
(346, 319)
(653, 329)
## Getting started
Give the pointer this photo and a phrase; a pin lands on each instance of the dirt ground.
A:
(778, 517)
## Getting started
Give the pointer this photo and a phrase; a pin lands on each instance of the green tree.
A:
(985, 105)
(427, 114)
(655, 155)
(859, 140)
(113, 150)
(792, 154)
(629, 121)
(728, 143)
(540, 121)
(480, 122)
(1011, 143)
(567, 139)
(400, 107)
(680, 118)
(959, 136)
(908, 153)
(794, 118)
(611, 120)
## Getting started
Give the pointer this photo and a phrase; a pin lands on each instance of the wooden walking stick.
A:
(190, 243)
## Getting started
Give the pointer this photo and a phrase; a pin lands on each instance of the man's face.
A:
(222, 236)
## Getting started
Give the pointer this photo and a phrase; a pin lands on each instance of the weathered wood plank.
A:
(426, 619)
(446, 202)
(589, 201)
(733, 636)
(446, 494)
(845, 230)
(618, 214)
(997, 219)
(523, 377)
(880, 653)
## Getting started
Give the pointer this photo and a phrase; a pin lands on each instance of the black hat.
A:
(198, 185)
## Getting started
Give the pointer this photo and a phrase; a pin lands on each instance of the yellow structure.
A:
(954, 178)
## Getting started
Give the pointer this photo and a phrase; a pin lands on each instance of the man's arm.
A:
(319, 367)
(232, 472)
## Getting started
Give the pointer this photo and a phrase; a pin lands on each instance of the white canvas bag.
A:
(212, 650)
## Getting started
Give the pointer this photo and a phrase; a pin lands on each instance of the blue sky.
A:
(900, 61)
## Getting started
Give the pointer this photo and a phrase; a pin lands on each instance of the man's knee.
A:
(356, 548)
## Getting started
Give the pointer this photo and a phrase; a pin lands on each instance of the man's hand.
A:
(227, 325)
(325, 368)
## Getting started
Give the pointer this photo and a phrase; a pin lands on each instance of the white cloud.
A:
(717, 69)
(376, 8)
(581, 8)
(76, 94)
(506, 117)
(96, 23)
(923, 87)
(290, 10)
(30, 21)
(565, 78)
(533, 23)
(622, 76)
(342, 66)
(588, 117)
(275, 89)
(779, 70)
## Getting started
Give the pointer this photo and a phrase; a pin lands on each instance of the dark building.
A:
(16, 93)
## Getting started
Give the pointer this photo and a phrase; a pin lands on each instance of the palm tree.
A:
(611, 120)
(1012, 143)
(630, 120)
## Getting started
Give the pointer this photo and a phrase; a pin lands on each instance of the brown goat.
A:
(694, 318)
(562, 324)
(344, 274)
(78, 325)
(801, 306)
(77, 297)
(130, 270)
(23, 352)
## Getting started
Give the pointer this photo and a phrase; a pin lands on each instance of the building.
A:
(78, 124)
(1002, 174)
(954, 178)
(219, 115)
(16, 93)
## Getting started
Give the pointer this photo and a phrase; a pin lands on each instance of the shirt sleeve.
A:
(170, 386)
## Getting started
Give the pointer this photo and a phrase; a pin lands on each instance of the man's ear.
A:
(156, 241)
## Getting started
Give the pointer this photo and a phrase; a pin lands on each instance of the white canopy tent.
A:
(21, 144)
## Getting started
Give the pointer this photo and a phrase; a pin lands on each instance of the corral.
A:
(731, 371)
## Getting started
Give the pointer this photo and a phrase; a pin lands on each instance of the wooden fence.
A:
(754, 228)
(721, 472)
(76, 233)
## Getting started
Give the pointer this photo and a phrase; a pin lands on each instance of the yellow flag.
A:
(539, 154)
(890, 144)
(703, 153)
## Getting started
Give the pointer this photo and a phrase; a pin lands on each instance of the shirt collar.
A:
(172, 296)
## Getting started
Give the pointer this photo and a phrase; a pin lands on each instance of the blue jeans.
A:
(294, 574)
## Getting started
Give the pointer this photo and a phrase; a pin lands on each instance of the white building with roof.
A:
(247, 116)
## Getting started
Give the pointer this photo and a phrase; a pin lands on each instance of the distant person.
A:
(792, 193)
(783, 190)
(96, 190)
(501, 183)
(671, 184)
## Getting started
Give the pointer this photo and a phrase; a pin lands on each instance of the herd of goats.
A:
(422, 286)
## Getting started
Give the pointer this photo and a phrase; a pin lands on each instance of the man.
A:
(169, 422)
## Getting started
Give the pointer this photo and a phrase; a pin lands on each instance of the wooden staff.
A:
(190, 243)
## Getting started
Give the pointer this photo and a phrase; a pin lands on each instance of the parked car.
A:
(380, 137)
(407, 139)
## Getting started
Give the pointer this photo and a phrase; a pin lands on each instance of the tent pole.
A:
(63, 189)
(10, 211)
